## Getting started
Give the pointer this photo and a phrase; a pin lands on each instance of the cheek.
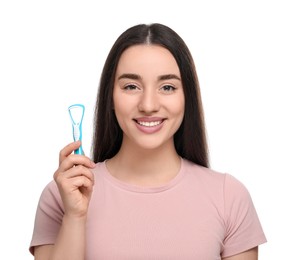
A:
(178, 111)
(118, 102)
(120, 117)
(177, 107)
(123, 106)
(123, 109)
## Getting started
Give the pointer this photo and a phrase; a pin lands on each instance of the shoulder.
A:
(50, 196)
(211, 175)
(50, 188)
(223, 184)
(205, 176)
(234, 187)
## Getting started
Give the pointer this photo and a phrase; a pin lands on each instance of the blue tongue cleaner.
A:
(76, 112)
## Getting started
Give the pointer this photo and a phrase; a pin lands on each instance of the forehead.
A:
(147, 60)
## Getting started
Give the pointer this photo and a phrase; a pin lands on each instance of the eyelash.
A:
(171, 88)
(130, 87)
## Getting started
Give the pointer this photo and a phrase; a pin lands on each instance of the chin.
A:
(153, 144)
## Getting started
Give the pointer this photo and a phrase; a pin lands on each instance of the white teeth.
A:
(149, 123)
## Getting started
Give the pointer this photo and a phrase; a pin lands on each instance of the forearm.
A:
(70, 243)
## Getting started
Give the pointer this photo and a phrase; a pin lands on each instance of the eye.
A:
(130, 87)
(167, 88)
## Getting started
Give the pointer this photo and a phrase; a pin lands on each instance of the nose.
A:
(149, 101)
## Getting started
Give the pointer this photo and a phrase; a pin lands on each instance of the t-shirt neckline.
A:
(141, 189)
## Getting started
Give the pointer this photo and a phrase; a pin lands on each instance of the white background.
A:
(51, 56)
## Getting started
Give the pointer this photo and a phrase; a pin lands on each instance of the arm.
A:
(251, 254)
(70, 243)
(75, 181)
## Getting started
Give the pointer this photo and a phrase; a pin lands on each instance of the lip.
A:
(149, 125)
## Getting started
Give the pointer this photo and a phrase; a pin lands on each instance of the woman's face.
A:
(148, 96)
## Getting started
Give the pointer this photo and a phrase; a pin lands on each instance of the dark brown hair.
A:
(190, 139)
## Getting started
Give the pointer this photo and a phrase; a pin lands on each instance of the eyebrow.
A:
(168, 76)
(129, 76)
(138, 77)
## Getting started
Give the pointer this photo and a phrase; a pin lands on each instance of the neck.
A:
(145, 167)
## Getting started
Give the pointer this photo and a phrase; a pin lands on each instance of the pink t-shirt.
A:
(200, 214)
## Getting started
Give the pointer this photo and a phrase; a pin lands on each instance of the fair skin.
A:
(149, 105)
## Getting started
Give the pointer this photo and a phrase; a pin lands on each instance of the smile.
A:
(149, 124)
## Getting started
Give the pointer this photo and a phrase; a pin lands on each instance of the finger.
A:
(73, 172)
(75, 160)
(72, 184)
(68, 149)
(82, 182)
(80, 171)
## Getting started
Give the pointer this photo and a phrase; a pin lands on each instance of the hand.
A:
(74, 180)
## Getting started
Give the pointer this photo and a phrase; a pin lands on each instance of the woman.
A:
(149, 192)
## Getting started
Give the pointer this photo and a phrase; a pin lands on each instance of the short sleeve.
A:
(243, 228)
(48, 217)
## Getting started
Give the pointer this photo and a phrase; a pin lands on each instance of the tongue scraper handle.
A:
(76, 112)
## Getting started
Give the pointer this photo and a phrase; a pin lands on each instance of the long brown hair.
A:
(190, 139)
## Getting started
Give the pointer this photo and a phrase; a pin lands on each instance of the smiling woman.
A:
(148, 192)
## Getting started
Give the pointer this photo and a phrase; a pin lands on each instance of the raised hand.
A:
(75, 180)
